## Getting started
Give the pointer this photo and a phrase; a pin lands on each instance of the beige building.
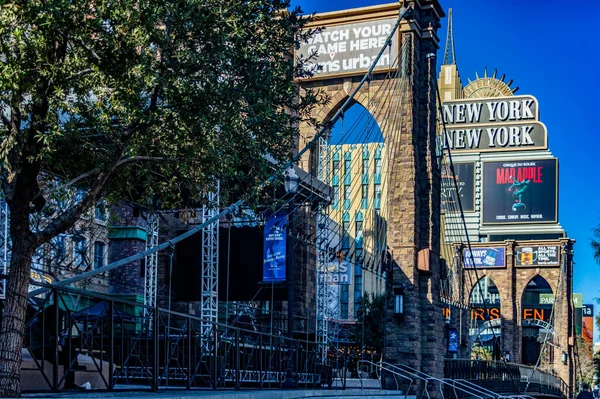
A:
(358, 214)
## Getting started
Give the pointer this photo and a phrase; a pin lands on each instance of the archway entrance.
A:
(536, 310)
(485, 331)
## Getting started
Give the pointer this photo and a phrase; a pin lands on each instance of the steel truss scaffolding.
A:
(4, 246)
(322, 255)
(151, 271)
(209, 301)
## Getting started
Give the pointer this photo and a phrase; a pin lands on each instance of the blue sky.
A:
(550, 50)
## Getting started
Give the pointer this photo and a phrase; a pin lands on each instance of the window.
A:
(365, 196)
(336, 196)
(345, 236)
(359, 256)
(365, 166)
(336, 167)
(377, 203)
(347, 167)
(357, 288)
(359, 234)
(347, 193)
(58, 249)
(378, 166)
(344, 302)
(99, 254)
(100, 211)
(79, 252)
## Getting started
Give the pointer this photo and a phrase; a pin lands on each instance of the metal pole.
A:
(289, 377)
(111, 355)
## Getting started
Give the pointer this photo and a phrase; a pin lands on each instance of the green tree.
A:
(370, 316)
(134, 100)
(586, 364)
(595, 243)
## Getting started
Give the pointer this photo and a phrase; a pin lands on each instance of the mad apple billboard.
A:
(524, 191)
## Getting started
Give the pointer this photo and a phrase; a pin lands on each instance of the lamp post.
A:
(448, 336)
(291, 187)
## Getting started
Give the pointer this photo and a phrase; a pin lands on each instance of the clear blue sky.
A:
(550, 49)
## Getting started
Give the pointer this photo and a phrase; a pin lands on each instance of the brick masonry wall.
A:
(413, 192)
(511, 283)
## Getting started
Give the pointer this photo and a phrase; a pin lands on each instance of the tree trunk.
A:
(13, 323)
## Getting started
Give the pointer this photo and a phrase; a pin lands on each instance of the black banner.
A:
(464, 173)
(520, 191)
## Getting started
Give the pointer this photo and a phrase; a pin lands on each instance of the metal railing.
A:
(123, 347)
(424, 385)
(505, 378)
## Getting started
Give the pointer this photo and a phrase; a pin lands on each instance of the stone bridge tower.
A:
(414, 336)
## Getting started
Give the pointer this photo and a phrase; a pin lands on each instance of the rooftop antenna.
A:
(449, 56)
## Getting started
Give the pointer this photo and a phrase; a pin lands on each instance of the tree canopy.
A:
(135, 100)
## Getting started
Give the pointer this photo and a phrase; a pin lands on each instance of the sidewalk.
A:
(220, 394)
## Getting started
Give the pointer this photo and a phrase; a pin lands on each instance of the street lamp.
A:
(448, 336)
(291, 187)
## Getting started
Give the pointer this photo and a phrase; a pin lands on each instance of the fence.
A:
(112, 342)
(504, 377)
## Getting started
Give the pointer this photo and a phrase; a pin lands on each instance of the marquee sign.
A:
(494, 124)
(349, 48)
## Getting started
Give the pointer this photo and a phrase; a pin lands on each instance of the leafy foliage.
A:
(169, 96)
(370, 322)
(595, 243)
(145, 101)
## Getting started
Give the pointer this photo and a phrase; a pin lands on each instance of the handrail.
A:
(379, 367)
(442, 381)
(501, 371)
(428, 378)
(472, 385)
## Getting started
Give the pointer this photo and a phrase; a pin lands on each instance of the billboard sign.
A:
(464, 173)
(587, 325)
(546, 299)
(537, 255)
(523, 191)
(494, 124)
(491, 110)
(349, 48)
(484, 258)
(274, 250)
(518, 136)
(338, 273)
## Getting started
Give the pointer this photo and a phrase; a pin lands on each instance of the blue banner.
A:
(274, 255)
(489, 257)
(452, 340)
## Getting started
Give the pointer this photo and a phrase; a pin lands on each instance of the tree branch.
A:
(96, 170)
(79, 74)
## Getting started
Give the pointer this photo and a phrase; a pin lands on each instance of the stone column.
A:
(416, 338)
(564, 331)
(510, 307)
